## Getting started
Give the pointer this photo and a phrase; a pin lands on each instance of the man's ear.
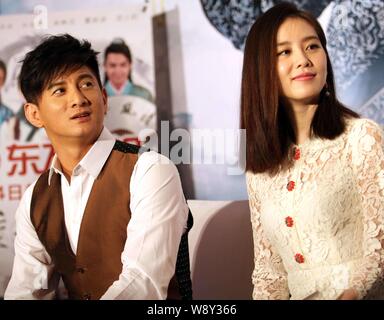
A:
(32, 113)
(105, 100)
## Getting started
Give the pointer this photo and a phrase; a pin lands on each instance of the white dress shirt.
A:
(159, 218)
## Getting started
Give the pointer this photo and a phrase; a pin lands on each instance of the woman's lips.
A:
(304, 76)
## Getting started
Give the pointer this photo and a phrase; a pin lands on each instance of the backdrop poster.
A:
(26, 152)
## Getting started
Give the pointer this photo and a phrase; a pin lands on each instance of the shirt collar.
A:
(126, 87)
(94, 159)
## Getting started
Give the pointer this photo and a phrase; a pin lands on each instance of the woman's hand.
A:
(348, 294)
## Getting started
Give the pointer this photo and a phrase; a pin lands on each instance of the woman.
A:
(315, 170)
(118, 78)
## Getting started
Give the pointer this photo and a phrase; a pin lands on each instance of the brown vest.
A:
(103, 232)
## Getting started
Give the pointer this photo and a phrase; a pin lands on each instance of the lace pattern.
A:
(335, 238)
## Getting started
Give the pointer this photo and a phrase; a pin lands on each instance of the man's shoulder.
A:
(42, 182)
(153, 164)
(27, 195)
(150, 158)
(126, 147)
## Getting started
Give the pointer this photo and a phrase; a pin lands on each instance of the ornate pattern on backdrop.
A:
(355, 32)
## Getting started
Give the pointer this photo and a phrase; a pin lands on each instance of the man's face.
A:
(2, 77)
(117, 68)
(71, 108)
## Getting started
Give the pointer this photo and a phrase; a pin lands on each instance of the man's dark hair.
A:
(118, 46)
(53, 57)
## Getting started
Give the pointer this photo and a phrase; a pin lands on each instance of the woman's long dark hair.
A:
(269, 125)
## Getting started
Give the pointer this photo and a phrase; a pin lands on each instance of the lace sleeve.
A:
(269, 277)
(368, 163)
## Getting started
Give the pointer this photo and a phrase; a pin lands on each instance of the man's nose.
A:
(78, 99)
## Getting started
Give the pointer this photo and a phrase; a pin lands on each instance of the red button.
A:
(289, 221)
(291, 185)
(299, 258)
(296, 155)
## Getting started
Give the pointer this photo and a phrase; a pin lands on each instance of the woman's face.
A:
(117, 68)
(301, 62)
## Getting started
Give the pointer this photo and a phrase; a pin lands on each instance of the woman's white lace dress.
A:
(318, 228)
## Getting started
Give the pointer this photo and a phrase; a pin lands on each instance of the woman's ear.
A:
(32, 113)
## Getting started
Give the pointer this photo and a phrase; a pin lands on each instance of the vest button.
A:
(81, 270)
(86, 296)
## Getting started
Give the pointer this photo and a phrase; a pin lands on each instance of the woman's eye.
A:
(283, 53)
(313, 46)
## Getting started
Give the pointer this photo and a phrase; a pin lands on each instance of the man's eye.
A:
(58, 91)
(87, 84)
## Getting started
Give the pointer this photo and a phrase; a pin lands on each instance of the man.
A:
(118, 72)
(5, 112)
(131, 107)
(106, 221)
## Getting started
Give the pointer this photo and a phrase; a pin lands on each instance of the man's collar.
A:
(94, 159)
